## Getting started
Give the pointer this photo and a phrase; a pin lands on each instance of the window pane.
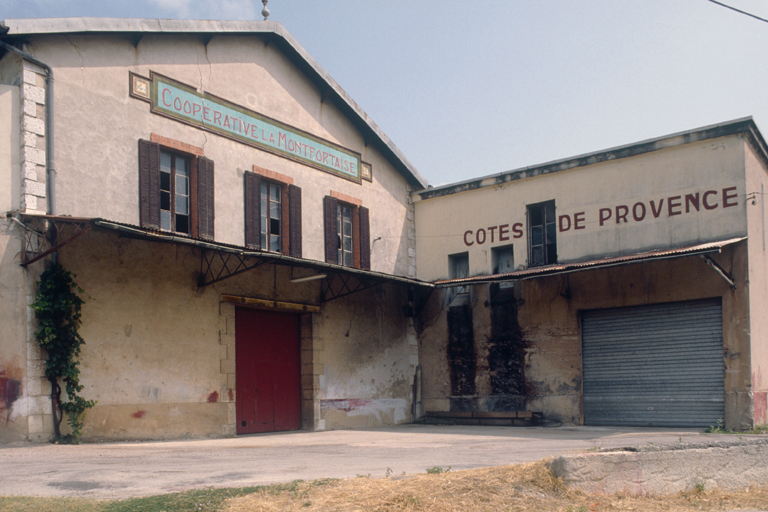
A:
(551, 233)
(551, 253)
(274, 192)
(165, 181)
(165, 200)
(535, 216)
(274, 210)
(348, 259)
(182, 224)
(274, 243)
(537, 256)
(182, 205)
(347, 243)
(182, 185)
(550, 208)
(537, 235)
(165, 220)
(274, 226)
(165, 162)
(181, 166)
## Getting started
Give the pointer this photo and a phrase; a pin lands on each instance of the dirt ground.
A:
(524, 487)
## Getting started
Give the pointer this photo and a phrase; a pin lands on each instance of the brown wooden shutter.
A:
(365, 239)
(294, 220)
(205, 212)
(331, 231)
(252, 210)
(149, 184)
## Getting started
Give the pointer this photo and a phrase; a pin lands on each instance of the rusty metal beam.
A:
(338, 285)
(37, 246)
(216, 266)
(720, 270)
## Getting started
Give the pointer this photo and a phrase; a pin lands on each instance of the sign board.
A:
(184, 103)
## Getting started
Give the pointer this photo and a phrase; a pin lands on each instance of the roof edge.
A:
(289, 45)
(745, 125)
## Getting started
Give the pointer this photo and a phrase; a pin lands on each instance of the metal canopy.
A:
(550, 270)
(217, 261)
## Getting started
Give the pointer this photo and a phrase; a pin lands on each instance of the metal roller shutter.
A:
(659, 365)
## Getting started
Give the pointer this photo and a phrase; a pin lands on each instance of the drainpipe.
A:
(50, 169)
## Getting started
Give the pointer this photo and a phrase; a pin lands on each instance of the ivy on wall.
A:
(57, 310)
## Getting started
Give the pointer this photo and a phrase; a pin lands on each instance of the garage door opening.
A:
(654, 366)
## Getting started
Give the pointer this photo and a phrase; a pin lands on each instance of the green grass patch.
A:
(720, 429)
(25, 504)
(199, 500)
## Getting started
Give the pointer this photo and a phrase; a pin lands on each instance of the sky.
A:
(468, 88)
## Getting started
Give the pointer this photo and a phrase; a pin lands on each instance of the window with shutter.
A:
(347, 232)
(272, 212)
(175, 190)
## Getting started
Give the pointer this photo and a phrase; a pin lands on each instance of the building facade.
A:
(241, 229)
(624, 287)
(247, 240)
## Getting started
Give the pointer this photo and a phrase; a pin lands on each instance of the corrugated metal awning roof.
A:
(137, 232)
(530, 273)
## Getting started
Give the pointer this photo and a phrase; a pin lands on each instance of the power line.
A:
(738, 10)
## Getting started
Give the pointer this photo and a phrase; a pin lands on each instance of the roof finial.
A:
(265, 11)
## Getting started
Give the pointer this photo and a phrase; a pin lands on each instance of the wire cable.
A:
(738, 10)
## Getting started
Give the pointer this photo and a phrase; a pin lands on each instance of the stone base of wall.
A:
(667, 470)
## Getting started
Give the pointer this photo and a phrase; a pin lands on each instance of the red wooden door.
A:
(268, 371)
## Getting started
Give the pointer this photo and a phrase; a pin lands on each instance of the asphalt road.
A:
(122, 470)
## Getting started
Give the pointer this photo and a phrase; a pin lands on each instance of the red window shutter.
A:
(205, 213)
(252, 210)
(294, 222)
(149, 184)
(331, 235)
(365, 239)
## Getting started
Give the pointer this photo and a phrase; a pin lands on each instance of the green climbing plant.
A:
(57, 308)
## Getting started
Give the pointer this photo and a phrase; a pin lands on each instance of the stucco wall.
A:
(757, 216)
(97, 162)
(365, 359)
(9, 148)
(548, 313)
(14, 384)
(160, 354)
(631, 194)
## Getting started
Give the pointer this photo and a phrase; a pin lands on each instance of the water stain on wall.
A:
(461, 350)
(10, 390)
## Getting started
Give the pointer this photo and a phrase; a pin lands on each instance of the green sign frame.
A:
(183, 103)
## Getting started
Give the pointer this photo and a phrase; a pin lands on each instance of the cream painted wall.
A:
(9, 148)
(757, 217)
(443, 222)
(97, 159)
(14, 406)
(156, 361)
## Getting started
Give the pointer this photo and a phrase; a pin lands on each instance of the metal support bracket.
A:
(717, 268)
(217, 266)
(45, 236)
(338, 285)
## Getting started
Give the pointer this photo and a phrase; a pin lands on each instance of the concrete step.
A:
(504, 418)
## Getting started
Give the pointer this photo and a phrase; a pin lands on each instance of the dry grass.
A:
(510, 488)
